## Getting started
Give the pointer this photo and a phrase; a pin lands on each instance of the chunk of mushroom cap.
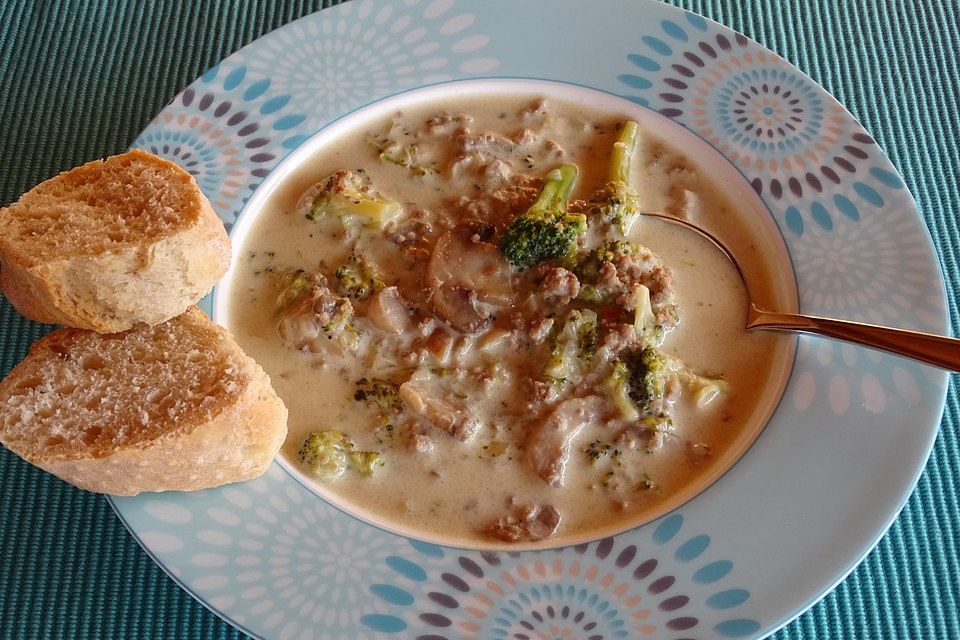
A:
(425, 401)
(389, 312)
(466, 274)
(547, 447)
(529, 523)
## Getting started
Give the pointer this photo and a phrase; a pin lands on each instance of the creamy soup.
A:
(453, 376)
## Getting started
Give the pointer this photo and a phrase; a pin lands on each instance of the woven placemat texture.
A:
(80, 78)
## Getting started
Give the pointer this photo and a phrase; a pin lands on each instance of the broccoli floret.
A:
(546, 230)
(617, 203)
(649, 371)
(298, 284)
(324, 453)
(351, 193)
(588, 269)
(637, 384)
(644, 321)
(618, 387)
(379, 392)
(634, 264)
(327, 454)
(406, 156)
(309, 311)
(341, 326)
(364, 462)
(409, 156)
(572, 347)
(704, 389)
(358, 278)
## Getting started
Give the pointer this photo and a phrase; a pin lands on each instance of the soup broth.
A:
(459, 397)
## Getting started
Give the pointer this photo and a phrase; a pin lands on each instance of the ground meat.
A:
(540, 329)
(408, 231)
(559, 286)
(684, 203)
(609, 279)
(536, 113)
(619, 276)
(543, 391)
(527, 523)
(420, 443)
(447, 124)
(525, 136)
(660, 284)
(497, 172)
(497, 205)
(518, 196)
(615, 338)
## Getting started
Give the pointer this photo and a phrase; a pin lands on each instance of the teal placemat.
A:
(80, 78)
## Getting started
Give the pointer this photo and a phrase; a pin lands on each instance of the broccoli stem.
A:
(556, 190)
(623, 151)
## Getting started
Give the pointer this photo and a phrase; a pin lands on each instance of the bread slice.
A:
(176, 406)
(110, 244)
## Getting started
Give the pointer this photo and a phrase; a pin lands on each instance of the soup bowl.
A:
(747, 223)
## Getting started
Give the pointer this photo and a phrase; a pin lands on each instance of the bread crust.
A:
(229, 433)
(238, 444)
(149, 281)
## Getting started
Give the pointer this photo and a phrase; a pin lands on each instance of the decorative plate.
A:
(810, 498)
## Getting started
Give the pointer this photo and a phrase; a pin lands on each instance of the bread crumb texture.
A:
(83, 395)
(102, 206)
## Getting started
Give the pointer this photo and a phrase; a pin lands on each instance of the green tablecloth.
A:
(79, 79)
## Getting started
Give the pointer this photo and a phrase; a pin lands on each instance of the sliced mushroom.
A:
(468, 277)
(424, 401)
(460, 308)
(388, 311)
(547, 447)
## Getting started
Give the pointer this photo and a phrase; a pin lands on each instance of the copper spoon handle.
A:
(939, 351)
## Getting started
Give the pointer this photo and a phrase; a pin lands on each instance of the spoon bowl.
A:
(932, 349)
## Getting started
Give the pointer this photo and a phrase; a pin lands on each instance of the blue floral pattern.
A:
(644, 586)
(796, 145)
(228, 129)
(370, 49)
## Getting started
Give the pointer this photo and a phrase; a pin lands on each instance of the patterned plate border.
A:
(739, 561)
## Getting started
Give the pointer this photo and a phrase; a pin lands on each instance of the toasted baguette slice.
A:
(111, 244)
(174, 406)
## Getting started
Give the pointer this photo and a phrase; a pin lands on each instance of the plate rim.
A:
(944, 319)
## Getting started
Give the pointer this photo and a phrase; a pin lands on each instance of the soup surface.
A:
(478, 340)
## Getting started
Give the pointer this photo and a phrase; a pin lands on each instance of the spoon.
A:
(939, 351)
